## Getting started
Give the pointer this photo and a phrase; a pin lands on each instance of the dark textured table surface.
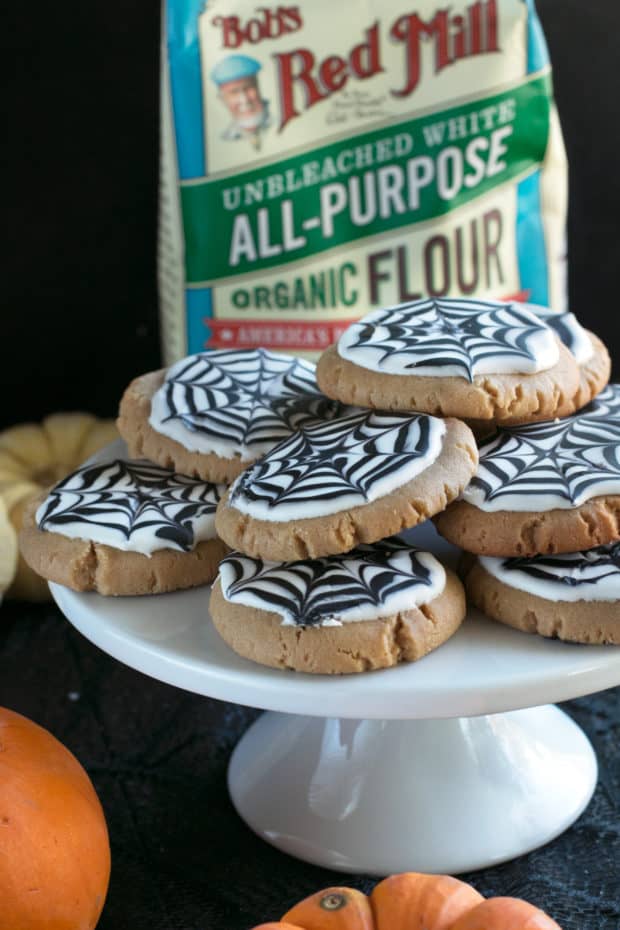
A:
(181, 857)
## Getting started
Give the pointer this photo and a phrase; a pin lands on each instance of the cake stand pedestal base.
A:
(386, 796)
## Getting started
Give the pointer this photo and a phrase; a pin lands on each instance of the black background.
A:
(79, 302)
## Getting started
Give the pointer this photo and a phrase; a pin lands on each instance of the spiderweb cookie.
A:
(572, 596)
(212, 414)
(371, 608)
(476, 359)
(544, 487)
(124, 527)
(357, 479)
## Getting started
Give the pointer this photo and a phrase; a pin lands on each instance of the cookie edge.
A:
(506, 533)
(83, 565)
(501, 398)
(531, 613)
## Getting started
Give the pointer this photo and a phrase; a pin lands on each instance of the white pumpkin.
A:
(32, 458)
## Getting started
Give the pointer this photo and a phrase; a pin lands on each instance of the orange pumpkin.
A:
(333, 909)
(54, 849)
(412, 901)
(507, 914)
(417, 901)
(277, 925)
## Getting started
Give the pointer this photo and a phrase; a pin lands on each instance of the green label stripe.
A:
(398, 175)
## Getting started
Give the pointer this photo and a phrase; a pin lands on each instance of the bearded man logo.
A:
(236, 77)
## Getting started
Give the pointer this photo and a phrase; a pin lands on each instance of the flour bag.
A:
(326, 157)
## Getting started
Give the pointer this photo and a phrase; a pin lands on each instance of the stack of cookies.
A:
(146, 524)
(318, 581)
(307, 476)
(540, 520)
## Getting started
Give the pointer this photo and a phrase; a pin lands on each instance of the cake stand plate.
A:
(431, 766)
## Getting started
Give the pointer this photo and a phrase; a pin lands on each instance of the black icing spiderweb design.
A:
(248, 397)
(572, 458)
(572, 569)
(351, 455)
(131, 496)
(445, 334)
(311, 591)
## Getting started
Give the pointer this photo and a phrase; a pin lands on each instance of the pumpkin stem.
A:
(333, 909)
(333, 901)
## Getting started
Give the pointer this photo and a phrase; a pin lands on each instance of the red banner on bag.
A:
(278, 334)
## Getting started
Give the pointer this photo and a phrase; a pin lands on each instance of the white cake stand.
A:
(432, 766)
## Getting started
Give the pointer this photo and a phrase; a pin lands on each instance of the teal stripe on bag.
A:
(537, 51)
(531, 249)
(199, 309)
(186, 85)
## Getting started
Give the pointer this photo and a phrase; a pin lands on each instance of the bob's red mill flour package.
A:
(325, 157)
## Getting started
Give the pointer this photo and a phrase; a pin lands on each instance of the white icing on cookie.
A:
(591, 575)
(330, 467)
(132, 505)
(557, 464)
(568, 328)
(237, 402)
(451, 338)
(366, 584)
